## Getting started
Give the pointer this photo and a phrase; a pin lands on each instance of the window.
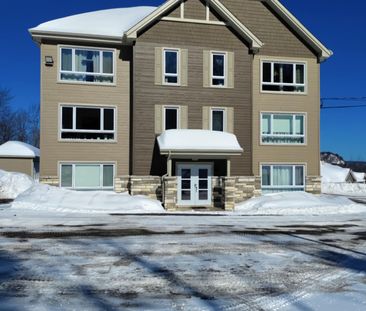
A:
(171, 66)
(217, 120)
(87, 65)
(89, 123)
(87, 176)
(171, 118)
(283, 77)
(218, 61)
(278, 178)
(283, 129)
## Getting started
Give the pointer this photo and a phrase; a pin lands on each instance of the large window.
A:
(171, 66)
(87, 176)
(283, 128)
(218, 69)
(217, 119)
(171, 118)
(283, 77)
(89, 123)
(87, 65)
(279, 178)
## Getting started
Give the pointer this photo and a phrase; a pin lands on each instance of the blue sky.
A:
(340, 25)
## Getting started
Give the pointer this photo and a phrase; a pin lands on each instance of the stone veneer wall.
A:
(149, 186)
(313, 184)
(170, 191)
(49, 180)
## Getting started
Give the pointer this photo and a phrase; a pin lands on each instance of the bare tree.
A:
(33, 125)
(6, 116)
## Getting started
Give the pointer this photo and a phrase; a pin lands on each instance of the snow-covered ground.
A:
(13, 184)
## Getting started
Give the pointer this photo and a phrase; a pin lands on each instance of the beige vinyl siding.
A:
(20, 165)
(183, 117)
(206, 117)
(308, 103)
(158, 119)
(183, 67)
(54, 93)
(158, 66)
(230, 119)
(230, 69)
(206, 68)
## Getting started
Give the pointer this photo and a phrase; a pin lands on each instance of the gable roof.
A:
(255, 42)
(17, 149)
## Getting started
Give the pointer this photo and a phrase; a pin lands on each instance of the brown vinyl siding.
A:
(54, 93)
(308, 103)
(20, 165)
(194, 9)
(278, 39)
(196, 38)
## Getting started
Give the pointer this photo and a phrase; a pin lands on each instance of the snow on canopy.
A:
(198, 141)
(18, 149)
(110, 23)
(333, 173)
(360, 177)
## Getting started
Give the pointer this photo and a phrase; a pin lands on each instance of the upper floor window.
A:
(283, 128)
(171, 118)
(171, 66)
(89, 123)
(218, 69)
(87, 65)
(217, 119)
(283, 77)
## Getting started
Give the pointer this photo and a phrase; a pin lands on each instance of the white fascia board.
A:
(300, 29)
(132, 32)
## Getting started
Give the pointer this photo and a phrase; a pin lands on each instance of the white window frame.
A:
(73, 71)
(293, 186)
(224, 116)
(100, 164)
(173, 75)
(294, 115)
(75, 130)
(294, 84)
(224, 77)
(177, 108)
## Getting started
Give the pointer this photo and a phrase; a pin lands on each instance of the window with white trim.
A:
(171, 118)
(280, 178)
(87, 176)
(218, 69)
(282, 129)
(283, 77)
(171, 66)
(218, 119)
(87, 65)
(87, 123)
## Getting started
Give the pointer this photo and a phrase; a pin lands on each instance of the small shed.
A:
(16, 156)
(359, 177)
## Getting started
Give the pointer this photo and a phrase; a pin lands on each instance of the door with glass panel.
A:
(194, 184)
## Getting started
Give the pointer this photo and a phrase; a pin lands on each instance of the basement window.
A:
(87, 123)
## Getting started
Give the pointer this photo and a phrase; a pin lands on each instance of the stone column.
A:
(228, 193)
(170, 192)
(122, 184)
(313, 184)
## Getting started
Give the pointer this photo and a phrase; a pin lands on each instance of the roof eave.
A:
(323, 52)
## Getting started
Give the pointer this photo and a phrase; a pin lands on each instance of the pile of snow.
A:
(334, 173)
(13, 184)
(54, 199)
(198, 140)
(106, 23)
(18, 149)
(299, 203)
(360, 177)
(352, 190)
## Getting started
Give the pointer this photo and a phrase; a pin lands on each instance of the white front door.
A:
(194, 184)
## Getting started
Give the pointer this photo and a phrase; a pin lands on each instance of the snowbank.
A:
(299, 203)
(334, 173)
(53, 199)
(12, 184)
(344, 189)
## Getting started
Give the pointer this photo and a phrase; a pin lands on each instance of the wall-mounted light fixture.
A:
(48, 60)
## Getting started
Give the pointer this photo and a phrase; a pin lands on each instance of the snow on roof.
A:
(334, 173)
(198, 141)
(18, 149)
(360, 177)
(109, 23)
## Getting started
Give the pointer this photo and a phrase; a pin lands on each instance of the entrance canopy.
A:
(198, 142)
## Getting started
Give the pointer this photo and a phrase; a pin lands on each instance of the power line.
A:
(359, 101)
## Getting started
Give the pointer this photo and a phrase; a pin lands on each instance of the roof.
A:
(359, 177)
(198, 142)
(17, 149)
(115, 24)
(109, 24)
(333, 173)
